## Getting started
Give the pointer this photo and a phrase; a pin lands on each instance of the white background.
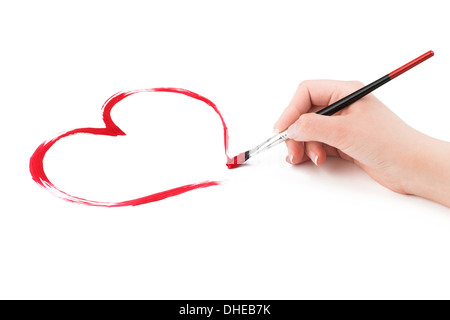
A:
(270, 230)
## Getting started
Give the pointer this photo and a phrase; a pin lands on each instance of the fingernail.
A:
(275, 131)
(291, 158)
(291, 132)
(314, 158)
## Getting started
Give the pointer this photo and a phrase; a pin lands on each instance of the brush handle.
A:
(353, 97)
(339, 105)
(269, 143)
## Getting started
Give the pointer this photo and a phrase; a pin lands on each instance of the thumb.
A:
(315, 127)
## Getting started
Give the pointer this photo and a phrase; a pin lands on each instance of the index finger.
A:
(309, 94)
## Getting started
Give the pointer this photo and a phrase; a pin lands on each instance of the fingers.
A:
(315, 152)
(313, 127)
(310, 151)
(296, 152)
(309, 94)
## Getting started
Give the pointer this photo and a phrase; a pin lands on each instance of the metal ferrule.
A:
(269, 143)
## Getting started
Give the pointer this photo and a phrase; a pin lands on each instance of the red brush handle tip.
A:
(411, 64)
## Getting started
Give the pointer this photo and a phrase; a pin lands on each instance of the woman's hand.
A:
(366, 133)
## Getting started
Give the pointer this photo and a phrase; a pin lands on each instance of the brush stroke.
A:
(111, 129)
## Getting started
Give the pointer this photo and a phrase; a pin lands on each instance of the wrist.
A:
(428, 171)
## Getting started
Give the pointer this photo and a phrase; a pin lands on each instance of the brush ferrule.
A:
(269, 143)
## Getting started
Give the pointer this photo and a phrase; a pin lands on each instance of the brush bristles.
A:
(237, 160)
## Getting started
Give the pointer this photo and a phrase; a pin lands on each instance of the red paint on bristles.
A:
(236, 161)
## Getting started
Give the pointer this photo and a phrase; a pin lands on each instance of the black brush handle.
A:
(348, 100)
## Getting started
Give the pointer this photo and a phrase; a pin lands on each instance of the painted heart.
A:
(111, 129)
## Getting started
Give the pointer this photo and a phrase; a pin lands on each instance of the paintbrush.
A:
(328, 111)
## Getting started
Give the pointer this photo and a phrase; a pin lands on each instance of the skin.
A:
(368, 134)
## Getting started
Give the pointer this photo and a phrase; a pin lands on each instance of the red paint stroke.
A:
(111, 129)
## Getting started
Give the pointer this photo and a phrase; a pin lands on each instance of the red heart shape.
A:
(111, 129)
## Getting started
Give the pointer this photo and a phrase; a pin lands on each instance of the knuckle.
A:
(303, 84)
(356, 84)
(341, 133)
(304, 123)
(339, 129)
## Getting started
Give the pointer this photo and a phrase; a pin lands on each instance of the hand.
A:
(366, 133)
